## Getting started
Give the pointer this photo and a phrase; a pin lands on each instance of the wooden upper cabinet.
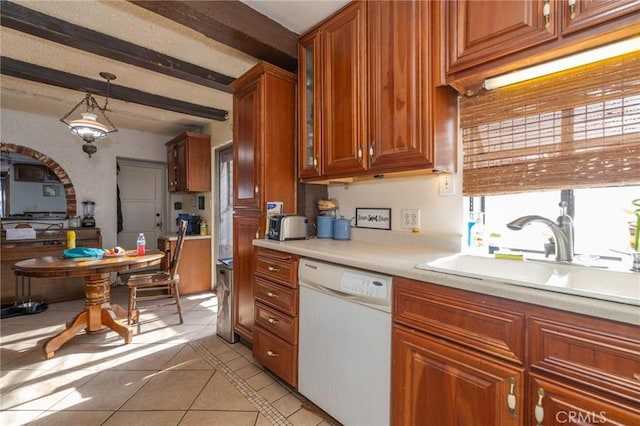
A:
(489, 38)
(264, 150)
(378, 109)
(309, 86)
(400, 85)
(482, 31)
(344, 64)
(589, 14)
(246, 141)
(189, 163)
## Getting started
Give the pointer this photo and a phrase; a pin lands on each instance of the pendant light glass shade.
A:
(88, 128)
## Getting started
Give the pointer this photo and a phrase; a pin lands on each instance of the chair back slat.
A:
(182, 231)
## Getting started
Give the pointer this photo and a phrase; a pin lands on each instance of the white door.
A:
(141, 197)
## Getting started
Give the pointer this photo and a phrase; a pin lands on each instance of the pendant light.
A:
(87, 125)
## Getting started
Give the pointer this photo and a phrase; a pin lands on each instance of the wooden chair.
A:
(157, 286)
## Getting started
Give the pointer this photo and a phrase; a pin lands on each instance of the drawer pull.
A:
(546, 13)
(636, 376)
(272, 354)
(273, 269)
(272, 320)
(572, 9)
(511, 397)
(272, 294)
(539, 409)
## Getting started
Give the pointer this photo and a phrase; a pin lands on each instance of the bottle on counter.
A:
(141, 245)
(203, 228)
(71, 239)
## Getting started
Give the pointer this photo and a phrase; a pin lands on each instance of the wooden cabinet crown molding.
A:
(257, 71)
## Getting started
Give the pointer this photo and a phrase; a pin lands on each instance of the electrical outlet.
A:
(446, 184)
(410, 218)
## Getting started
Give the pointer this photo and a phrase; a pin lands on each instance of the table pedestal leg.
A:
(98, 315)
(53, 344)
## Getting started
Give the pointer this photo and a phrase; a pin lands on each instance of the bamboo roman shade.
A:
(575, 129)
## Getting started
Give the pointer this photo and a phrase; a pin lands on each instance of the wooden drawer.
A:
(277, 266)
(599, 353)
(277, 296)
(276, 322)
(276, 355)
(469, 319)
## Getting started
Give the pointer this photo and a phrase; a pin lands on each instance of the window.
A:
(604, 219)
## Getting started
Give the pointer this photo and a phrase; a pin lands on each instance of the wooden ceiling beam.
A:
(31, 22)
(26, 71)
(234, 24)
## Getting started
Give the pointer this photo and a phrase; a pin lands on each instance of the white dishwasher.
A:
(344, 343)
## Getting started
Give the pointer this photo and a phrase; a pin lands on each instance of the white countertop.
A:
(400, 260)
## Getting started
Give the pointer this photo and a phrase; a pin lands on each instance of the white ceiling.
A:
(295, 15)
(134, 24)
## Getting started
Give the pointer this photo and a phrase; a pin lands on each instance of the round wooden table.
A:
(99, 314)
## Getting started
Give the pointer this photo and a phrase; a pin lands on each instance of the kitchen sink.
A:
(596, 282)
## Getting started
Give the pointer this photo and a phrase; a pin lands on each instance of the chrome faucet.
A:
(562, 231)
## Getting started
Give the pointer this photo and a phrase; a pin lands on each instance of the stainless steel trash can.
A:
(224, 293)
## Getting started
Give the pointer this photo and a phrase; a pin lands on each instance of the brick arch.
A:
(56, 168)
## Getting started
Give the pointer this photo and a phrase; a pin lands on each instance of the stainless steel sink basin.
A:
(608, 284)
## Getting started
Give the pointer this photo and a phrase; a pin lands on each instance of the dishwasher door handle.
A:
(331, 291)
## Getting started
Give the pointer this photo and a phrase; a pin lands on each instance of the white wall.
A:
(439, 214)
(94, 178)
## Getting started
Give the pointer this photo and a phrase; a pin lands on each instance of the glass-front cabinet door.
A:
(309, 85)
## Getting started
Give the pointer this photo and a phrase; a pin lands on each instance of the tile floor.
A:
(170, 374)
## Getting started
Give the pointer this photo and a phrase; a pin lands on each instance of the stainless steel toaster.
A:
(284, 227)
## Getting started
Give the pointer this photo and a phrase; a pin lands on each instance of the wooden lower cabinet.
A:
(277, 355)
(195, 263)
(245, 230)
(556, 402)
(463, 358)
(435, 382)
(275, 331)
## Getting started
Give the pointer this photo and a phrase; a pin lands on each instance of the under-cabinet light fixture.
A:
(572, 61)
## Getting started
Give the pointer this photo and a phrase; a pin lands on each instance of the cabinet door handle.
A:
(511, 397)
(256, 189)
(272, 354)
(572, 9)
(539, 409)
(360, 153)
(271, 294)
(371, 150)
(272, 320)
(315, 162)
(546, 13)
(273, 269)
